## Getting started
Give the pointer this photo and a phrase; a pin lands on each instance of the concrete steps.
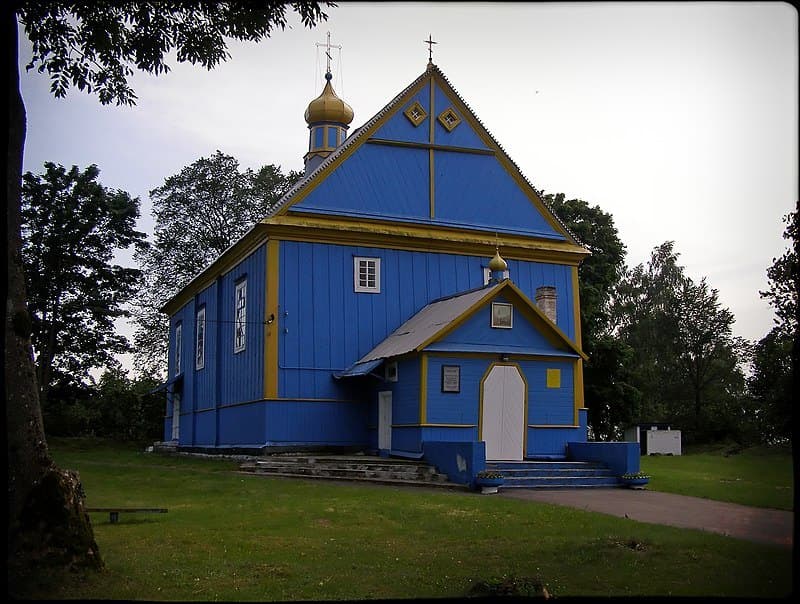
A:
(554, 474)
(359, 468)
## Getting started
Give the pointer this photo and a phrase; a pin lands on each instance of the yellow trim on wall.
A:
(407, 235)
(525, 396)
(423, 388)
(553, 426)
(273, 329)
(431, 129)
(576, 305)
(433, 426)
(431, 194)
(578, 387)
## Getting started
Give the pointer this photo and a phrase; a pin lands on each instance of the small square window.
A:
(391, 371)
(367, 275)
(416, 114)
(449, 119)
(502, 315)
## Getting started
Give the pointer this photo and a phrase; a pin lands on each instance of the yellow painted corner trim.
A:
(273, 329)
(578, 387)
(553, 426)
(423, 389)
(418, 425)
(576, 305)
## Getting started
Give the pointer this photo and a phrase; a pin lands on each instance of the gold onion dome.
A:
(497, 263)
(328, 107)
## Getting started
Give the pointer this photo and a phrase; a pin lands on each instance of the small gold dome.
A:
(328, 107)
(497, 263)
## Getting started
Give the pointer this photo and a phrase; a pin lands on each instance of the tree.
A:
(687, 363)
(94, 46)
(71, 226)
(199, 213)
(775, 356)
(608, 393)
(784, 275)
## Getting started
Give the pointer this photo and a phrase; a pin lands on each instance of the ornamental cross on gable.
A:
(328, 47)
(430, 44)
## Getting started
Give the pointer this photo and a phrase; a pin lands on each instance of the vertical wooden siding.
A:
(243, 372)
(324, 326)
(400, 128)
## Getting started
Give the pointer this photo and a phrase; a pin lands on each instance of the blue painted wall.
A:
(477, 334)
(385, 182)
(325, 326)
(316, 422)
(206, 388)
(248, 365)
(400, 128)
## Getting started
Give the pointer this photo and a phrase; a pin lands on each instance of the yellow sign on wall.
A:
(554, 378)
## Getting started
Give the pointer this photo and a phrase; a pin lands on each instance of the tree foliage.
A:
(96, 45)
(71, 227)
(608, 393)
(115, 407)
(199, 213)
(687, 363)
(784, 276)
(775, 356)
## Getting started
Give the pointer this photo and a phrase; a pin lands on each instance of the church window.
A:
(240, 317)
(502, 315)
(449, 119)
(178, 344)
(367, 275)
(416, 114)
(391, 372)
(200, 340)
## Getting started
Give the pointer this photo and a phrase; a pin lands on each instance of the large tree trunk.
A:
(47, 523)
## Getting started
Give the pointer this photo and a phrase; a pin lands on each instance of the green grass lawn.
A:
(758, 476)
(238, 537)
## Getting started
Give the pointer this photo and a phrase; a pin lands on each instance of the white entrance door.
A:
(176, 416)
(503, 421)
(385, 420)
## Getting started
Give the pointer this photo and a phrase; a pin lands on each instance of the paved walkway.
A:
(762, 525)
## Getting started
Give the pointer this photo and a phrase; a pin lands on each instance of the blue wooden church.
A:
(410, 296)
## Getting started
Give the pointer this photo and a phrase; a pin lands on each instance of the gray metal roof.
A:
(427, 323)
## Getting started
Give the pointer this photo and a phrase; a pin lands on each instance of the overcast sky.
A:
(679, 119)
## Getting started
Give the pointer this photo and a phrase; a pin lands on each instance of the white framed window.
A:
(502, 315)
(200, 339)
(178, 346)
(487, 274)
(367, 275)
(240, 317)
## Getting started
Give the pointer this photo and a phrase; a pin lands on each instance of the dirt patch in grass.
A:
(526, 587)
